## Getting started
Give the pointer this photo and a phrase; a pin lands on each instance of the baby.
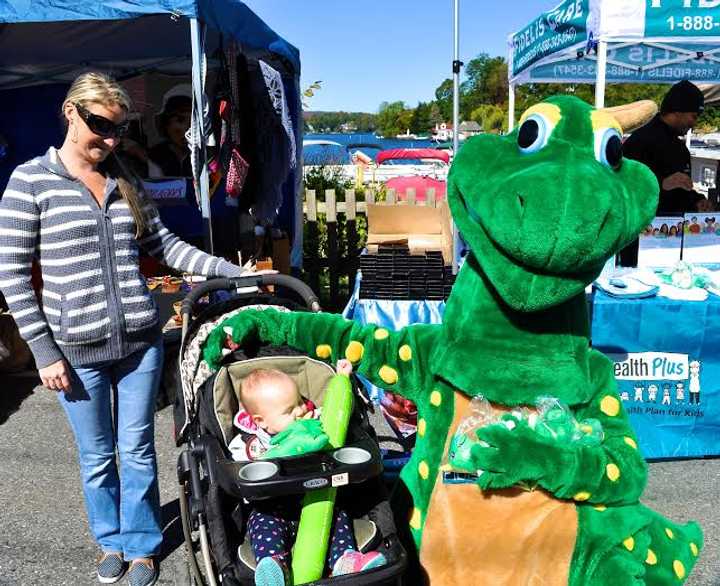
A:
(271, 402)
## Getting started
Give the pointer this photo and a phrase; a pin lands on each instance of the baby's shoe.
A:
(353, 561)
(272, 571)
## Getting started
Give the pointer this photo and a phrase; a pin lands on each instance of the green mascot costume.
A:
(541, 209)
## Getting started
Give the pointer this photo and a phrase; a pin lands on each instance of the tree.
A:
(485, 83)
(435, 115)
(444, 99)
(421, 122)
(390, 118)
(491, 117)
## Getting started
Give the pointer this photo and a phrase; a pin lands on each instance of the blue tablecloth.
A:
(667, 366)
(674, 404)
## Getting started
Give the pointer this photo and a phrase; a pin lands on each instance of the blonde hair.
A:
(258, 379)
(98, 88)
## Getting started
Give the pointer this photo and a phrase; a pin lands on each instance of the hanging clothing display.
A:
(276, 147)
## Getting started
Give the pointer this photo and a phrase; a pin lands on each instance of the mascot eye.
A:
(609, 148)
(534, 133)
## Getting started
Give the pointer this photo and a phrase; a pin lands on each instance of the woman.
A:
(98, 325)
(172, 154)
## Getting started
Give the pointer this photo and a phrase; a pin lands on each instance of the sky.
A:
(369, 51)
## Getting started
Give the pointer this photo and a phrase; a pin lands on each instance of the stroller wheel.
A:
(197, 574)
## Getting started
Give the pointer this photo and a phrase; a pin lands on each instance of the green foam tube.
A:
(311, 543)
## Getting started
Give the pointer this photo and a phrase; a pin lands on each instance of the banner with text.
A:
(649, 41)
(564, 26)
(641, 63)
(659, 19)
(667, 370)
(169, 192)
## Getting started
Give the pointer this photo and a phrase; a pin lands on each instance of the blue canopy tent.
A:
(627, 41)
(45, 44)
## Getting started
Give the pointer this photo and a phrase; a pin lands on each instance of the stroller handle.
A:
(224, 284)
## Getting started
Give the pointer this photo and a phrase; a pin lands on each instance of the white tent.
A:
(618, 41)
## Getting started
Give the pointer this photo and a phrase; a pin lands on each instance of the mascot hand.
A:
(511, 452)
(235, 331)
(301, 437)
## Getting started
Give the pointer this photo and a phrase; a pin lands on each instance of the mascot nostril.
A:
(540, 508)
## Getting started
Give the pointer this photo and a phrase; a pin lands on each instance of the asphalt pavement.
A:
(44, 538)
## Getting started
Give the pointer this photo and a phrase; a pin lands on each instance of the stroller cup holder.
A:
(298, 474)
(352, 455)
(256, 471)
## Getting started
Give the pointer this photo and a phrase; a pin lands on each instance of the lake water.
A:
(315, 154)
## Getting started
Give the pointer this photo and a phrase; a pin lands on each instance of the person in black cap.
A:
(657, 144)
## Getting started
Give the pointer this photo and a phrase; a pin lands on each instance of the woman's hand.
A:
(56, 377)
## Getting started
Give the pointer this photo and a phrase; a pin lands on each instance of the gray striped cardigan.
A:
(95, 306)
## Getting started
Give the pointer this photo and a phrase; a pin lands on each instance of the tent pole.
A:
(601, 74)
(457, 64)
(511, 107)
(198, 57)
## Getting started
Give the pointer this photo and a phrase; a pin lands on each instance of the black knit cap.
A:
(683, 97)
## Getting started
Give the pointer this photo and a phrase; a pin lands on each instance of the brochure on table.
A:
(661, 243)
(695, 238)
(701, 240)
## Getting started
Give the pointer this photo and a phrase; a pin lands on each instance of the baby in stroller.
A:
(271, 403)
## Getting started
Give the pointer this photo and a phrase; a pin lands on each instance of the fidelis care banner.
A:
(649, 41)
(660, 19)
(553, 31)
(666, 360)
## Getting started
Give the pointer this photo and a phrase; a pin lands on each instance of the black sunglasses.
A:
(102, 126)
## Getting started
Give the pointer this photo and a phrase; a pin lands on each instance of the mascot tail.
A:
(672, 552)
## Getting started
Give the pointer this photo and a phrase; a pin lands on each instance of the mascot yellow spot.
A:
(416, 519)
(694, 549)
(651, 558)
(424, 470)
(354, 352)
(435, 398)
(582, 496)
(586, 429)
(600, 508)
(629, 543)
(405, 353)
(388, 375)
(612, 471)
(631, 442)
(669, 533)
(610, 406)
(422, 426)
(323, 351)
(381, 334)
(679, 569)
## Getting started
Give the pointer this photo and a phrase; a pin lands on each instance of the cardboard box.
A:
(421, 228)
(280, 260)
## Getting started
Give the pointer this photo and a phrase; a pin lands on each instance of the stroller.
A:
(214, 489)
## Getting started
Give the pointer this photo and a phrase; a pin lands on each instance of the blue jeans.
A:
(123, 510)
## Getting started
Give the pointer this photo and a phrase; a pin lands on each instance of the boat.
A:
(353, 163)
(430, 172)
